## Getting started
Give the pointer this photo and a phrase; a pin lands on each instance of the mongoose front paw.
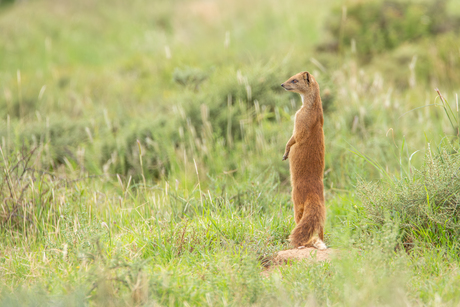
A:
(285, 157)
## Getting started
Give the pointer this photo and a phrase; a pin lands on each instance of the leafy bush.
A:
(425, 204)
(430, 61)
(380, 25)
(4, 2)
(189, 76)
(24, 191)
(34, 199)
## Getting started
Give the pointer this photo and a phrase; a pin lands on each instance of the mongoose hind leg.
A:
(319, 244)
(298, 213)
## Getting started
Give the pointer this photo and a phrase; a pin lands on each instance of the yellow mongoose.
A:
(305, 150)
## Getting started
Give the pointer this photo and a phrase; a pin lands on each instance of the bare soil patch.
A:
(308, 254)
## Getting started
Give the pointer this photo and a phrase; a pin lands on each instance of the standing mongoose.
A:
(305, 150)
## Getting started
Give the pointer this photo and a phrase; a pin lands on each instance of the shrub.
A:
(426, 204)
(26, 192)
(381, 25)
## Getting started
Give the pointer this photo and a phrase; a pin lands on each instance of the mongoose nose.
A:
(282, 85)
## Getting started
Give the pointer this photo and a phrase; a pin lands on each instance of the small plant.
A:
(22, 189)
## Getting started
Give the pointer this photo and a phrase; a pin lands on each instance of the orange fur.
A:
(305, 150)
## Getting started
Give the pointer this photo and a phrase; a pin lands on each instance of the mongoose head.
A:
(302, 83)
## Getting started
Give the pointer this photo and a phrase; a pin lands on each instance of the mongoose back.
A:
(305, 150)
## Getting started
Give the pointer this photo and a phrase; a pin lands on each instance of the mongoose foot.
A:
(319, 245)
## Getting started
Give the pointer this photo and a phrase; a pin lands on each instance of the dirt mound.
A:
(309, 253)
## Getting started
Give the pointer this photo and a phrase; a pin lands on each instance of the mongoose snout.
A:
(283, 85)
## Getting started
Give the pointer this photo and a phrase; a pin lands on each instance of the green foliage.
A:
(376, 26)
(425, 204)
(189, 76)
(5, 2)
(27, 194)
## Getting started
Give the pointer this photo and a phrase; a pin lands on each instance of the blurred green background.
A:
(141, 147)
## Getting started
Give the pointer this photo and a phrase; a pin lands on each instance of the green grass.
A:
(141, 148)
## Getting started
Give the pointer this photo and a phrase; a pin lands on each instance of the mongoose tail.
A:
(309, 230)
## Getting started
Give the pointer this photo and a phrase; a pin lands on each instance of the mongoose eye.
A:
(294, 81)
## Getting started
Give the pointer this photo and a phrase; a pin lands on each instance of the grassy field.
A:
(141, 147)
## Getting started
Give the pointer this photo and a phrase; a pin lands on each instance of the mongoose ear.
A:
(306, 76)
